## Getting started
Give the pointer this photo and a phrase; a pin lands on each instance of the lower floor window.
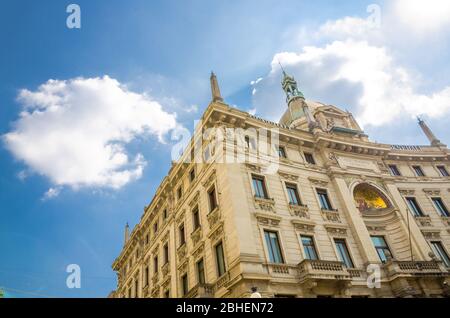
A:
(440, 252)
(343, 253)
(309, 247)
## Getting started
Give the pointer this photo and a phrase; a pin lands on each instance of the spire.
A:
(290, 87)
(215, 90)
(427, 131)
(127, 233)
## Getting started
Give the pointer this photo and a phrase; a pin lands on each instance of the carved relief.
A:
(267, 219)
(303, 226)
(288, 176)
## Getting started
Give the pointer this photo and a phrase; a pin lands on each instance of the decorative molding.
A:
(216, 233)
(336, 230)
(180, 218)
(210, 179)
(196, 236)
(253, 167)
(198, 251)
(288, 176)
(431, 234)
(318, 182)
(303, 226)
(405, 191)
(432, 191)
(268, 219)
(424, 221)
(195, 200)
(181, 252)
(214, 217)
(183, 267)
(376, 228)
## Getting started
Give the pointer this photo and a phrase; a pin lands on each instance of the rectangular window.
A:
(155, 264)
(394, 170)
(192, 175)
(136, 288)
(325, 203)
(250, 143)
(146, 276)
(440, 207)
(165, 214)
(309, 158)
(166, 253)
(440, 252)
(201, 272)
(259, 187)
(184, 285)
(196, 218)
(220, 259)
(182, 234)
(282, 152)
(382, 248)
(443, 171)
(179, 192)
(294, 198)
(343, 253)
(155, 228)
(309, 247)
(129, 292)
(167, 294)
(212, 199)
(418, 171)
(273, 247)
(146, 239)
(414, 207)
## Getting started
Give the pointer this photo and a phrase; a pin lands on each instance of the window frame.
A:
(282, 152)
(417, 208)
(224, 263)
(445, 211)
(166, 253)
(327, 196)
(184, 284)
(201, 275)
(213, 204)
(196, 222)
(306, 255)
(269, 247)
(395, 171)
(343, 242)
(294, 187)
(418, 171)
(264, 188)
(312, 160)
(444, 172)
(443, 253)
(384, 248)
(182, 234)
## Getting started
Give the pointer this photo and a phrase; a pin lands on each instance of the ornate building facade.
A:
(328, 213)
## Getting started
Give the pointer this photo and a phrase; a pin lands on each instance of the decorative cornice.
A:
(318, 182)
(268, 219)
(288, 176)
(304, 226)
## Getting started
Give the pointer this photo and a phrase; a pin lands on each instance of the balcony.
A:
(300, 211)
(279, 270)
(331, 216)
(266, 204)
(201, 291)
(415, 268)
(314, 270)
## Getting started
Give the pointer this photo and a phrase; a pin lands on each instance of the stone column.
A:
(356, 223)
(419, 244)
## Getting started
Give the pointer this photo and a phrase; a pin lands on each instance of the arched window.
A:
(369, 198)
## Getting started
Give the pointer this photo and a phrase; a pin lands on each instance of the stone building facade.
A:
(323, 213)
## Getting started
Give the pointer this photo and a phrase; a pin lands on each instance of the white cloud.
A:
(74, 132)
(423, 16)
(375, 88)
(51, 193)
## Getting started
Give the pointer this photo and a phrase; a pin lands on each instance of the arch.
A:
(369, 198)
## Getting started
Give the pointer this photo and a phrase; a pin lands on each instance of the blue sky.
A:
(61, 204)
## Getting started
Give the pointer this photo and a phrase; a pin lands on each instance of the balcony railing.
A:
(201, 291)
(318, 269)
(416, 268)
(331, 215)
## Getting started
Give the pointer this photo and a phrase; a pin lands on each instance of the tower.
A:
(427, 131)
(296, 101)
(127, 233)
(215, 90)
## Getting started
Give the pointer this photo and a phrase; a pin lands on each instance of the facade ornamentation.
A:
(354, 202)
